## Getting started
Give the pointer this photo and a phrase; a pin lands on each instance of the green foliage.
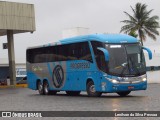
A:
(133, 33)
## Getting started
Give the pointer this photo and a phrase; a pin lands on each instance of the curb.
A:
(15, 86)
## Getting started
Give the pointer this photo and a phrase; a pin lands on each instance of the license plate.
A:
(130, 87)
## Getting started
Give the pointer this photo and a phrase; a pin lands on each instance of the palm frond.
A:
(150, 34)
(131, 17)
(140, 11)
(153, 18)
(127, 28)
(152, 23)
(148, 13)
(152, 30)
(128, 22)
(134, 12)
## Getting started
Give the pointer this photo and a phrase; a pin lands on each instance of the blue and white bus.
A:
(98, 63)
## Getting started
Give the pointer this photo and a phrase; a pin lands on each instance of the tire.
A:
(91, 90)
(123, 94)
(40, 88)
(46, 88)
(73, 93)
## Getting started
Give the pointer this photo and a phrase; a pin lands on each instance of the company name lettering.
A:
(80, 65)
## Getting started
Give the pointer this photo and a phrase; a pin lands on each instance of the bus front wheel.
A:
(91, 90)
(40, 88)
(123, 94)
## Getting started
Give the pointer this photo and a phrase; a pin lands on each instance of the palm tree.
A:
(141, 23)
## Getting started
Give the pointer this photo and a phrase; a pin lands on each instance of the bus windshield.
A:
(126, 60)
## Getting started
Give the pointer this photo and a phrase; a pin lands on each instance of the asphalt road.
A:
(24, 99)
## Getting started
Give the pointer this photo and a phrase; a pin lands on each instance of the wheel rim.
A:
(92, 88)
(46, 88)
(40, 87)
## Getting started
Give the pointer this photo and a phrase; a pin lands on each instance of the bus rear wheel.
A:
(46, 89)
(40, 88)
(73, 93)
(91, 90)
(123, 94)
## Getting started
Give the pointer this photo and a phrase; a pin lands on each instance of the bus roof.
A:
(108, 38)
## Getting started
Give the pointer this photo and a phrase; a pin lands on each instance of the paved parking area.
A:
(24, 99)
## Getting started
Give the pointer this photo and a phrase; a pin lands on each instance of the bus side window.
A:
(84, 52)
(73, 52)
(101, 60)
(62, 52)
(50, 54)
(29, 56)
(99, 55)
(37, 57)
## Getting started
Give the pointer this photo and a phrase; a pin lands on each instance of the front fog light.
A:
(144, 79)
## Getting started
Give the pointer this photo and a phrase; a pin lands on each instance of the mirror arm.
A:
(105, 52)
(149, 52)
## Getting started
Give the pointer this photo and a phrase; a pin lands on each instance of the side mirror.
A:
(149, 52)
(106, 53)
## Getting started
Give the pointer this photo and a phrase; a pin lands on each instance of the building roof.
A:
(18, 17)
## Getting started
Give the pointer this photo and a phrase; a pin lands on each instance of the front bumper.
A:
(125, 87)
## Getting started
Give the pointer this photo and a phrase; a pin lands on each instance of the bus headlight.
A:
(144, 79)
(113, 80)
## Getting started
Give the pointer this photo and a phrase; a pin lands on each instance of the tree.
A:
(141, 22)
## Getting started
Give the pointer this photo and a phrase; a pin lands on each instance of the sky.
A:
(54, 16)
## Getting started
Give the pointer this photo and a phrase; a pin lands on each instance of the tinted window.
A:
(50, 53)
(29, 56)
(39, 55)
(84, 52)
(99, 55)
(95, 45)
(79, 51)
(61, 53)
(75, 51)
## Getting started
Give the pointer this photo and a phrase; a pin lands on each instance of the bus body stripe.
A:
(49, 69)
